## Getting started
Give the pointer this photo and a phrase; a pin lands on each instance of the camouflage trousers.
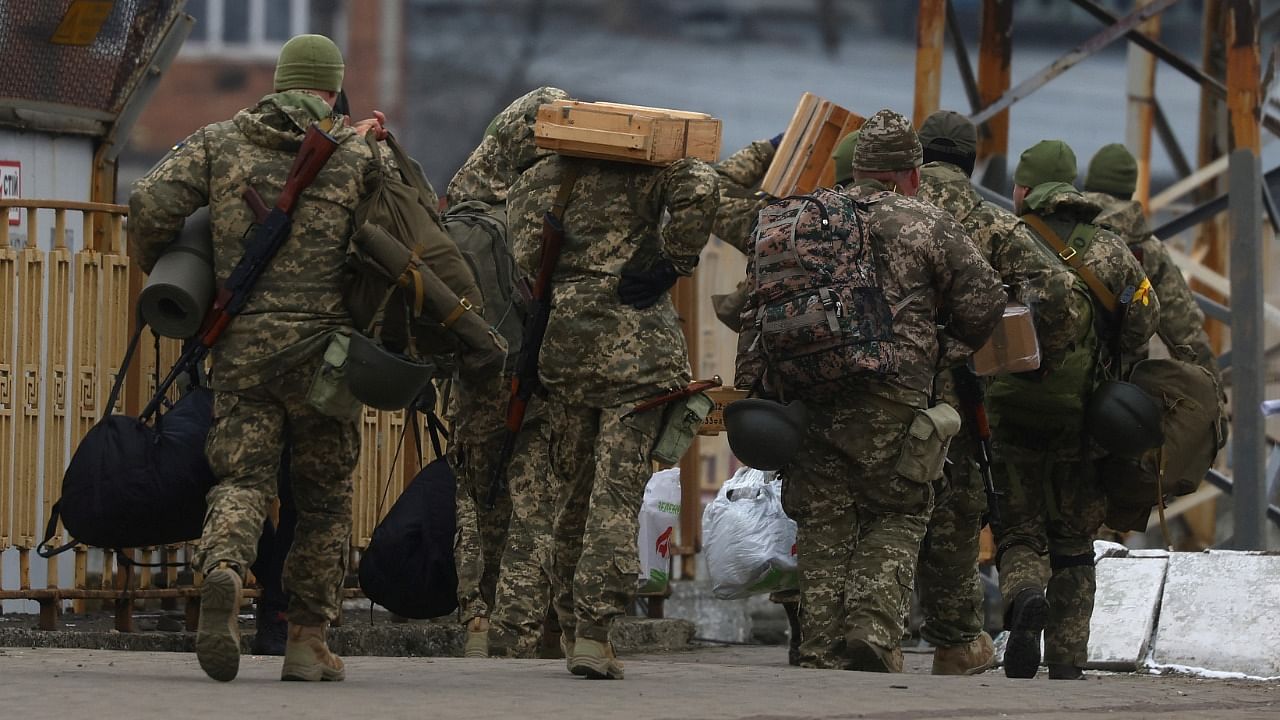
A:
(948, 584)
(859, 527)
(249, 433)
(601, 464)
(482, 531)
(524, 580)
(1050, 511)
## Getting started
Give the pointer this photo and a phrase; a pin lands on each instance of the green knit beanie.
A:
(309, 62)
(887, 143)
(1113, 170)
(843, 157)
(1046, 161)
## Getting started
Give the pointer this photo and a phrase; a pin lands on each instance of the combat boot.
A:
(971, 658)
(1027, 618)
(566, 647)
(595, 660)
(271, 632)
(218, 634)
(477, 638)
(1065, 671)
(868, 657)
(307, 656)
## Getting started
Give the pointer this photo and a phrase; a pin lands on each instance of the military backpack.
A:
(821, 313)
(480, 232)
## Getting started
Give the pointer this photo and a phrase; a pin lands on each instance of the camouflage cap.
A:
(1113, 170)
(949, 132)
(843, 157)
(886, 143)
(1046, 161)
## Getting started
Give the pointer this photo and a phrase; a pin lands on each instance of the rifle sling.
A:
(566, 188)
(1072, 258)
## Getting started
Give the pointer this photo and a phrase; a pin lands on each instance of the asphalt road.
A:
(712, 683)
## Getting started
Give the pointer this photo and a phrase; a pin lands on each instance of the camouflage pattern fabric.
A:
(931, 271)
(298, 301)
(949, 588)
(600, 462)
(1181, 320)
(251, 428)
(477, 415)
(740, 176)
(524, 582)
(859, 527)
(1051, 505)
(483, 176)
(887, 143)
(1062, 207)
(612, 222)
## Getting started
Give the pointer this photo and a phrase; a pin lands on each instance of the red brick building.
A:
(228, 61)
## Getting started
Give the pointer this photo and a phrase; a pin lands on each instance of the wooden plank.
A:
(790, 139)
(629, 134)
(28, 458)
(994, 74)
(930, 33)
(9, 388)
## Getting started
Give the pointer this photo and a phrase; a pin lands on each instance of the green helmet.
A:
(843, 157)
(1046, 161)
(1124, 419)
(382, 379)
(309, 62)
(765, 434)
(1113, 170)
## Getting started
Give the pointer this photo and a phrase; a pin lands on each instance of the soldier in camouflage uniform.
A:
(860, 519)
(266, 360)
(950, 589)
(1110, 181)
(1051, 505)
(613, 339)
(503, 554)
(740, 202)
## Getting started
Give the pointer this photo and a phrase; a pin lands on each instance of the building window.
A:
(244, 28)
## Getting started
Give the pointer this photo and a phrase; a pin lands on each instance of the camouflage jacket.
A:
(298, 301)
(482, 177)
(598, 352)
(931, 273)
(740, 202)
(1033, 275)
(1181, 321)
(1062, 207)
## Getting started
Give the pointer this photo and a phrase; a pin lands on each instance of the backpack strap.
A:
(1071, 253)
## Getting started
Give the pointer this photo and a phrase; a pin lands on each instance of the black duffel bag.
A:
(134, 484)
(408, 567)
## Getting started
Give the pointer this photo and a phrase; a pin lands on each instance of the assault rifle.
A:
(524, 382)
(269, 231)
(973, 405)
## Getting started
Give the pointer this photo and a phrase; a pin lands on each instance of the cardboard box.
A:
(627, 133)
(803, 160)
(713, 424)
(1013, 346)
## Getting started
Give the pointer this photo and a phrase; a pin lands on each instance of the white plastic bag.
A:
(749, 542)
(659, 515)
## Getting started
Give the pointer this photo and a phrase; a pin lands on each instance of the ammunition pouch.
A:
(925, 448)
(680, 422)
(329, 393)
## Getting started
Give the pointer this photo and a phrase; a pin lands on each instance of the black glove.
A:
(642, 288)
(776, 140)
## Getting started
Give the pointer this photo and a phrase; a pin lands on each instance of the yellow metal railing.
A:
(65, 319)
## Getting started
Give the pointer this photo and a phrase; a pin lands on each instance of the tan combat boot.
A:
(307, 657)
(566, 647)
(595, 660)
(869, 657)
(218, 634)
(974, 657)
(477, 638)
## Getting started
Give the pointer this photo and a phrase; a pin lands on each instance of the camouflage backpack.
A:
(821, 313)
(480, 232)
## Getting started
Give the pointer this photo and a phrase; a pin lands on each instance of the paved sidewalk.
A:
(738, 682)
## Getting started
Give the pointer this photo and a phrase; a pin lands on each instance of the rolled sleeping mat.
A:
(180, 289)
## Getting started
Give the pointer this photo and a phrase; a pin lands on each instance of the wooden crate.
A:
(803, 161)
(713, 424)
(628, 133)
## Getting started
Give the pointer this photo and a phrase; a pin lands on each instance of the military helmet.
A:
(765, 434)
(1124, 419)
(382, 379)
